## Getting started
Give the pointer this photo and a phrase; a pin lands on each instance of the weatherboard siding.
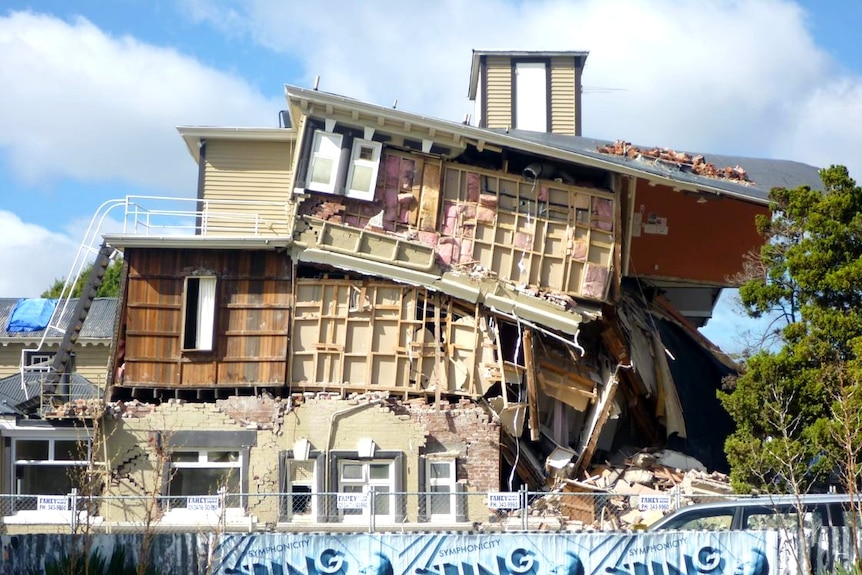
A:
(254, 171)
(498, 96)
(563, 96)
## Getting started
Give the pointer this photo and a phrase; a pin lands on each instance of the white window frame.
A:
(357, 162)
(38, 360)
(51, 460)
(204, 304)
(203, 462)
(321, 153)
(433, 512)
(366, 482)
(33, 515)
(288, 483)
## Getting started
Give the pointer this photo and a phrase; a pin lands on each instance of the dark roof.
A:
(99, 323)
(12, 396)
(764, 174)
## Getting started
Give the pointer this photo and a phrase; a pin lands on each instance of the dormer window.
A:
(325, 155)
(364, 163)
(342, 163)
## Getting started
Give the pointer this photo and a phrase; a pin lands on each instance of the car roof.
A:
(755, 501)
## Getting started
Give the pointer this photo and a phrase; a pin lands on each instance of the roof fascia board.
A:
(122, 241)
(463, 132)
(193, 135)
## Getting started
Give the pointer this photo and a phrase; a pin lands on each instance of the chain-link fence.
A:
(371, 510)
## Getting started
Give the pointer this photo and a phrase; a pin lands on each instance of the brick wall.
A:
(328, 422)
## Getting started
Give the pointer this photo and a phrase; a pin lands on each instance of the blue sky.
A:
(94, 89)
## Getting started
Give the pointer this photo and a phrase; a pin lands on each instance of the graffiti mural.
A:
(683, 553)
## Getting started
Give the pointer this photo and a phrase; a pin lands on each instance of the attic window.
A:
(328, 174)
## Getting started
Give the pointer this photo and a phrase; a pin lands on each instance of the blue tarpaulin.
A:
(31, 314)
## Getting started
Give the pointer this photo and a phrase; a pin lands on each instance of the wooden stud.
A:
(532, 387)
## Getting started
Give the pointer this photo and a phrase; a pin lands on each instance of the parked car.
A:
(761, 512)
(826, 519)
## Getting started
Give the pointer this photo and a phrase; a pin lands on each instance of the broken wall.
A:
(696, 237)
(140, 438)
(543, 233)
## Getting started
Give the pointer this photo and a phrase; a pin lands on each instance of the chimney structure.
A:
(538, 91)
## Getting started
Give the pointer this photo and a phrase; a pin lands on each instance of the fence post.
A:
(371, 506)
(74, 497)
(525, 505)
(222, 511)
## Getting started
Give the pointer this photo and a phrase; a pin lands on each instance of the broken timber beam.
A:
(532, 387)
(600, 416)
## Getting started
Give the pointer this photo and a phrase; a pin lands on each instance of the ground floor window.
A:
(204, 472)
(299, 480)
(441, 503)
(365, 478)
(49, 466)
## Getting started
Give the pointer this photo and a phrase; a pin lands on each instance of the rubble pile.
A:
(684, 161)
(631, 494)
(77, 408)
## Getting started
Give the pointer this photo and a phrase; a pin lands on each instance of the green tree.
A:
(791, 405)
(110, 282)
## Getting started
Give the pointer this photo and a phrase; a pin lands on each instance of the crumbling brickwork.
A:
(466, 428)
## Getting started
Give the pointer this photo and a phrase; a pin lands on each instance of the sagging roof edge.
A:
(488, 293)
(296, 95)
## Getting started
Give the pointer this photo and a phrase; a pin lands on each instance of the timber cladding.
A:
(250, 318)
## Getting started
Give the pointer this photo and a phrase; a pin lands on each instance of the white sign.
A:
(504, 500)
(654, 502)
(202, 503)
(352, 500)
(52, 503)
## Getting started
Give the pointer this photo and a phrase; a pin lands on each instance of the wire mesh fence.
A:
(371, 510)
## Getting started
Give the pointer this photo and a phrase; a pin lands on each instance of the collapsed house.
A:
(366, 300)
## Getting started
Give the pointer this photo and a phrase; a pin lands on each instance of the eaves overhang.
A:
(122, 241)
(323, 104)
(52, 341)
(193, 135)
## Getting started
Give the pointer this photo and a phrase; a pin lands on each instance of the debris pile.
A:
(631, 494)
(682, 160)
(77, 408)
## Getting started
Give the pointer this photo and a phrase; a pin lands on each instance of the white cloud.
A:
(31, 257)
(732, 77)
(719, 76)
(78, 103)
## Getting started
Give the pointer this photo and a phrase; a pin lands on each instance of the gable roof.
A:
(99, 324)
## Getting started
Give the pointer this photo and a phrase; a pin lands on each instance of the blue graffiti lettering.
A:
(707, 560)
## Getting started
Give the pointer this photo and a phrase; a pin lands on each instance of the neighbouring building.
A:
(381, 317)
